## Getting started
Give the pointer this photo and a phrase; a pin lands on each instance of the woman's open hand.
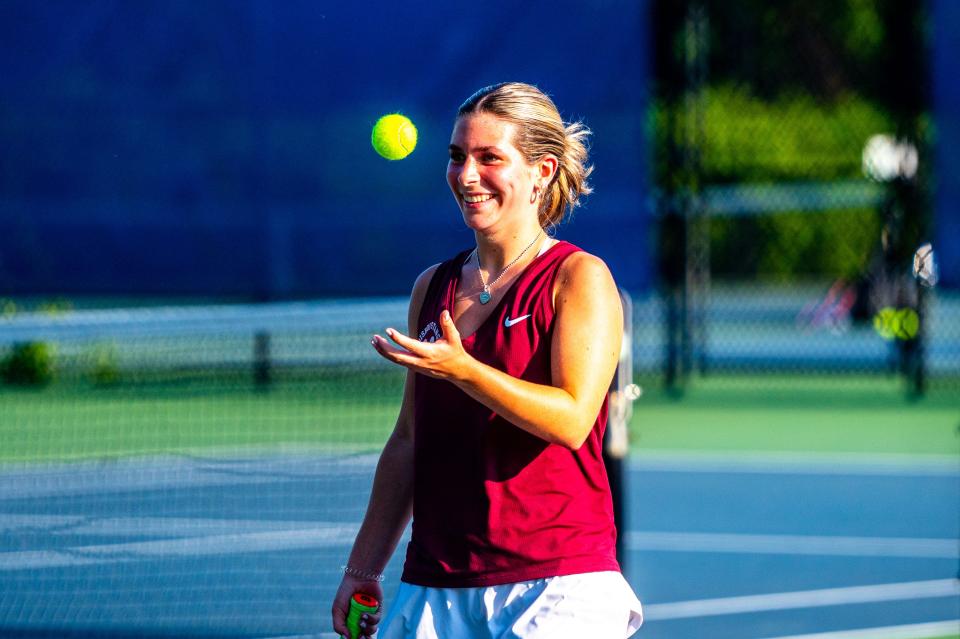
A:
(443, 359)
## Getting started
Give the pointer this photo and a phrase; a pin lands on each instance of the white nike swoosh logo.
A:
(510, 322)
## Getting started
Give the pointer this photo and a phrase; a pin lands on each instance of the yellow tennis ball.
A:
(394, 136)
(885, 323)
(908, 323)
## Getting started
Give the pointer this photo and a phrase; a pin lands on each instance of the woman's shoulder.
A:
(583, 275)
(581, 264)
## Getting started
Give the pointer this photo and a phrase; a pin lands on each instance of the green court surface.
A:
(74, 420)
(814, 414)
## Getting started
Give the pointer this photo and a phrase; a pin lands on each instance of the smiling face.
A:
(489, 177)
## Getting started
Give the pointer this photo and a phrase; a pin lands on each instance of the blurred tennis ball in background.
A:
(907, 324)
(394, 136)
(896, 323)
(883, 322)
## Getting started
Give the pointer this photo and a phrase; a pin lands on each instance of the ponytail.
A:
(541, 132)
(570, 181)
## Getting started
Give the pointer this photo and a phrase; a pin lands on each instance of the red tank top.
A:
(493, 504)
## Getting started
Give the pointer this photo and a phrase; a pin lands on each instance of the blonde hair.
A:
(540, 132)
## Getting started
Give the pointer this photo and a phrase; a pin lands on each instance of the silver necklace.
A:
(485, 294)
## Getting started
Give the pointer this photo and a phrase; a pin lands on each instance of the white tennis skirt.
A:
(589, 606)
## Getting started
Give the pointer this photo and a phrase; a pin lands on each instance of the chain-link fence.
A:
(792, 161)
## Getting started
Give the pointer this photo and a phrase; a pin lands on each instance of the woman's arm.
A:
(391, 498)
(588, 331)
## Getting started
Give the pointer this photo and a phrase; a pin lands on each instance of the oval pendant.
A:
(484, 297)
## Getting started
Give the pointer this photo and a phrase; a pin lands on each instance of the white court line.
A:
(334, 535)
(905, 591)
(794, 544)
(137, 474)
(795, 463)
(92, 477)
(912, 631)
(192, 535)
(76, 525)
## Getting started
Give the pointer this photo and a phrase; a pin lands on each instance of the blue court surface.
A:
(718, 547)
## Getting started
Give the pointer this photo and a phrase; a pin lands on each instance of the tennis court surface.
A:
(717, 546)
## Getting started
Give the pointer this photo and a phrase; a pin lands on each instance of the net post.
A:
(616, 439)
(261, 360)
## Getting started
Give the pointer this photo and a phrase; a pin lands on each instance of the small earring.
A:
(535, 195)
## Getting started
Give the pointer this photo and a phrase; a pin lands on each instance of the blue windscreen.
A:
(222, 148)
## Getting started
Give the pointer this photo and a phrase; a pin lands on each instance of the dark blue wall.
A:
(222, 147)
(946, 71)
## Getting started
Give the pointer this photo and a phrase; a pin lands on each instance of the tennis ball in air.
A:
(394, 136)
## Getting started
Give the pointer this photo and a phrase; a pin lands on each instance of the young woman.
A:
(496, 452)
